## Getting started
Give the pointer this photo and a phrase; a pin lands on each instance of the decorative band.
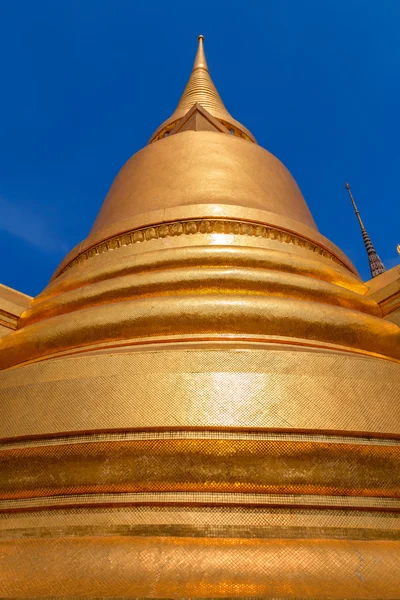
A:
(8, 324)
(203, 226)
(199, 434)
(263, 531)
(270, 467)
(203, 498)
(8, 320)
(390, 304)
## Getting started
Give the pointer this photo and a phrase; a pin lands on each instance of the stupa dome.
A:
(204, 401)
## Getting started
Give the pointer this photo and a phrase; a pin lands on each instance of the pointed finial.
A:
(347, 186)
(200, 60)
(375, 264)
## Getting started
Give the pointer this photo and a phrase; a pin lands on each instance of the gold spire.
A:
(201, 89)
(200, 60)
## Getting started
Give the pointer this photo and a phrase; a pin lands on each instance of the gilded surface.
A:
(203, 226)
(385, 290)
(196, 167)
(228, 386)
(281, 466)
(12, 304)
(201, 89)
(205, 400)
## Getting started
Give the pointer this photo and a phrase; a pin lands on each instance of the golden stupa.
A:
(205, 400)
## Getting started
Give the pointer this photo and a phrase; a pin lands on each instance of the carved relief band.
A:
(201, 226)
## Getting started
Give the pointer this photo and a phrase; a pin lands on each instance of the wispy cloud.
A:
(29, 226)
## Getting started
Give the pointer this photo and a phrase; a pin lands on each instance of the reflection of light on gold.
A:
(221, 238)
(234, 393)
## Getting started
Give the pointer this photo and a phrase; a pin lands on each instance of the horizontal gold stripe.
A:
(159, 598)
(211, 531)
(197, 598)
(194, 257)
(202, 281)
(198, 434)
(204, 516)
(199, 498)
(199, 567)
(191, 315)
(199, 386)
(201, 465)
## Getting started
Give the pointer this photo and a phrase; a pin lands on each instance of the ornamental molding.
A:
(199, 226)
(8, 320)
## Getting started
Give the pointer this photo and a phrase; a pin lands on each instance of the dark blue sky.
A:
(85, 83)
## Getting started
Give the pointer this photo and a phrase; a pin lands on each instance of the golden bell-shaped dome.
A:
(203, 402)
